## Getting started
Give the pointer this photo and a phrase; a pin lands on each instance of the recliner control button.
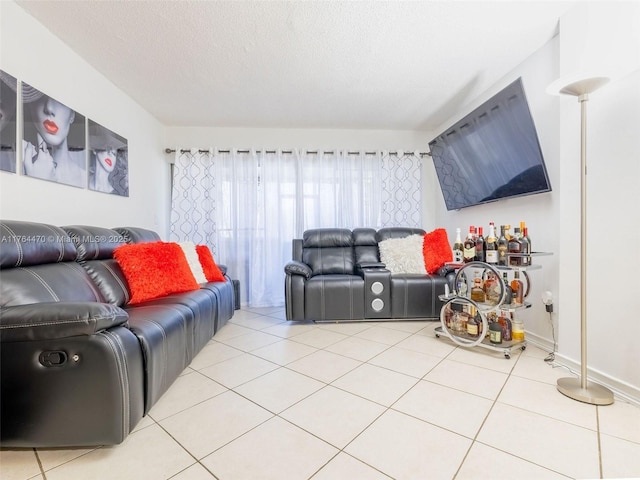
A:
(55, 358)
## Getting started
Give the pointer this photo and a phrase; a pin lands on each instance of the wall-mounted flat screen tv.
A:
(491, 154)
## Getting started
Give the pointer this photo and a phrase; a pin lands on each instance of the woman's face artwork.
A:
(52, 119)
(7, 106)
(106, 159)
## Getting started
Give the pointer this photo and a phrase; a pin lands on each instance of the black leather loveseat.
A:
(337, 275)
(79, 365)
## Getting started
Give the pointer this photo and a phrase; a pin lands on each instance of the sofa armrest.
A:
(55, 320)
(364, 268)
(298, 268)
(370, 265)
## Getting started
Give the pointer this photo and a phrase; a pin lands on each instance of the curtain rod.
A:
(173, 150)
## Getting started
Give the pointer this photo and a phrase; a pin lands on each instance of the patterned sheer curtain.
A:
(247, 206)
(401, 189)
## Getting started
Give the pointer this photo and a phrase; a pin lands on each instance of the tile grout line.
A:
(599, 441)
(386, 409)
(44, 475)
(198, 460)
(475, 439)
(43, 470)
(495, 400)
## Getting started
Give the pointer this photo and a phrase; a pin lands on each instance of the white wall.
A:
(613, 287)
(604, 38)
(187, 137)
(598, 36)
(31, 53)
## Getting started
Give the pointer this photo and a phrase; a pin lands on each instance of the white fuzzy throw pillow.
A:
(403, 255)
(189, 249)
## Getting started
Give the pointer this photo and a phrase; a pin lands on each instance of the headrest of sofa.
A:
(366, 246)
(327, 237)
(138, 235)
(364, 237)
(28, 243)
(397, 232)
(94, 243)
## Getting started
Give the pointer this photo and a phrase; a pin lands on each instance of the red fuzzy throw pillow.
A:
(154, 270)
(436, 250)
(211, 270)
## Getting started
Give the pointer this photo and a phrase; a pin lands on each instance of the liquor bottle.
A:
(463, 318)
(495, 333)
(503, 246)
(526, 247)
(458, 248)
(480, 246)
(456, 310)
(492, 289)
(462, 287)
(508, 293)
(518, 289)
(448, 316)
(477, 292)
(478, 317)
(505, 323)
(507, 232)
(469, 247)
(525, 233)
(515, 246)
(473, 329)
(491, 246)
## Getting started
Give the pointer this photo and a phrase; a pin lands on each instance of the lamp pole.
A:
(580, 389)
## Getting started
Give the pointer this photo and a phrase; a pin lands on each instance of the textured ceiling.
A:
(302, 64)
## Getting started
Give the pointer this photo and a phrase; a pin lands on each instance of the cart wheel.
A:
(507, 356)
(524, 347)
(437, 335)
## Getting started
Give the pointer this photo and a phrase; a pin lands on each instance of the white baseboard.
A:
(540, 342)
(620, 389)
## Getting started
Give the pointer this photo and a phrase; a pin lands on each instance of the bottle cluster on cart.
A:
(507, 249)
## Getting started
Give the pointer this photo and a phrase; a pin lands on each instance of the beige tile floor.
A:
(268, 399)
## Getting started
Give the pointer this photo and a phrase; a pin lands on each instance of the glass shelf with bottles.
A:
(463, 321)
(481, 309)
(499, 248)
(490, 286)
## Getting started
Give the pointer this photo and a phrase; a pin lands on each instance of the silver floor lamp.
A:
(579, 388)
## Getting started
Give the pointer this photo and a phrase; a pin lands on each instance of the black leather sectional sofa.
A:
(337, 275)
(79, 366)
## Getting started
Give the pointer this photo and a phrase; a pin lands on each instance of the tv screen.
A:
(491, 154)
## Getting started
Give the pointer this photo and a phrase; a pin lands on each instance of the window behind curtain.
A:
(248, 206)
